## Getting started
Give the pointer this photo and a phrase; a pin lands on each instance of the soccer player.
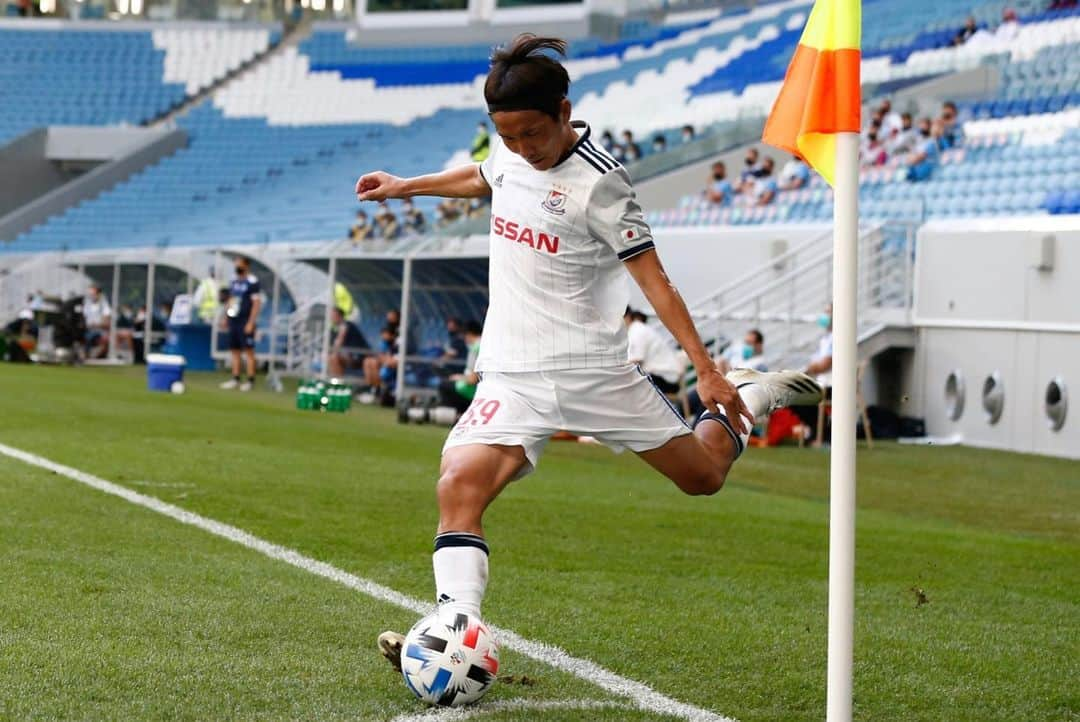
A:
(245, 301)
(564, 226)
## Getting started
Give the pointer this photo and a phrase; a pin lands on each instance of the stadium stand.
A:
(337, 107)
(108, 76)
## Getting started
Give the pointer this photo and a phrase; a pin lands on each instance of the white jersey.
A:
(558, 239)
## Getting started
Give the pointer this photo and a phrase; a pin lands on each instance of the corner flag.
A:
(817, 115)
(821, 95)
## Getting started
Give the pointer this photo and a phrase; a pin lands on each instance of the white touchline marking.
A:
(643, 696)
(459, 714)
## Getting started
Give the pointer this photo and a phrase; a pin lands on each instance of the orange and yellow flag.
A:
(821, 95)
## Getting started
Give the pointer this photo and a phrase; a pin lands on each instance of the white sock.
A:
(461, 571)
(756, 399)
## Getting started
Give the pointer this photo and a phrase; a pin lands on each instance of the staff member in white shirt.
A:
(98, 315)
(647, 348)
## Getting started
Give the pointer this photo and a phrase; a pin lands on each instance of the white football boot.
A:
(390, 644)
(245, 386)
(785, 388)
(229, 385)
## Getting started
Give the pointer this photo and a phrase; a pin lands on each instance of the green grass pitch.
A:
(110, 611)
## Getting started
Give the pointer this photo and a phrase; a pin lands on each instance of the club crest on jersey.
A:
(555, 202)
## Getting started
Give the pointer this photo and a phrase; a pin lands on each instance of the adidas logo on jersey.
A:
(498, 181)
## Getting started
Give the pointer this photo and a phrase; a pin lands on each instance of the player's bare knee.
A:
(705, 483)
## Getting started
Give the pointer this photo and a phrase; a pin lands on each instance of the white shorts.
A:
(619, 406)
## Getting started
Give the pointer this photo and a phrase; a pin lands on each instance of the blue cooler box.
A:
(162, 370)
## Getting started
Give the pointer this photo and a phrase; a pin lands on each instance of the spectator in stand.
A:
(687, 133)
(1009, 28)
(795, 175)
(97, 314)
(607, 141)
(361, 229)
(1062, 4)
(412, 217)
(477, 207)
(481, 143)
(751, 172)
(449, 211)
(922, 161)
(750, 354)
(719, 191)
(631, 150)
(765, 187)
(659, 143)
(890, 119)
(874, 123)
(903, 141)
(965, 33)
(387, 222)
(348, 345)
(952, 134)
(873, 150)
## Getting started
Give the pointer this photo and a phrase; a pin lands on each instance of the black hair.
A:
(474, 328)
(758, 336)
(339, 311)
(523, 77)
(639, 316)
(242, 259)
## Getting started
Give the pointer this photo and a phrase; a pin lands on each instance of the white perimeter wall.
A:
(700, 261)
(982, 305)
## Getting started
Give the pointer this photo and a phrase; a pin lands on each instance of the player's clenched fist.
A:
(378, 186)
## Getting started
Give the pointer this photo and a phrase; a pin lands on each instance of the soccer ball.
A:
(449, 658)
(177, 387)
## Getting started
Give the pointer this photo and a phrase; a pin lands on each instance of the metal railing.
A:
(786, 308)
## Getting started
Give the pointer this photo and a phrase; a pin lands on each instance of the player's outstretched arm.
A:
(465, 181)
(713, 388)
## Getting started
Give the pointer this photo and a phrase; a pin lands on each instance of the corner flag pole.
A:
(842, 460)
(817, 116)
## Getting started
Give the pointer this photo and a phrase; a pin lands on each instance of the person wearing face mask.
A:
(904, 140)
(659, 143)
(749, 175)
(412, 218)
(607, 141)
(481, 143)
(952, 133)
(362, 229)
(750, 354)
(687, 133)
(922, 161)
(241, 312)
(719, 191)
